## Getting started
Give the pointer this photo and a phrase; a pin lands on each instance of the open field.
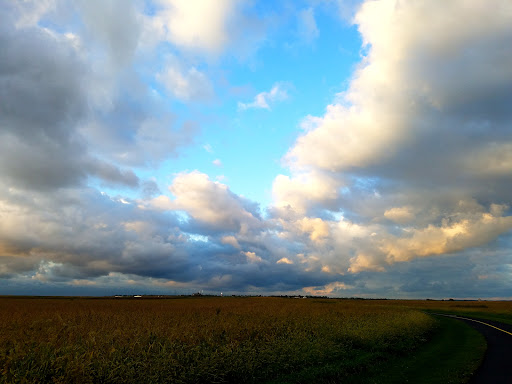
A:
(203, 340)
(490, 310)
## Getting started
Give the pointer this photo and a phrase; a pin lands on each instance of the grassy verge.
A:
(454, 352)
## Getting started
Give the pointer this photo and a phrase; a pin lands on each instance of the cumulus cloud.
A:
(297, 194)
(316, 228)
(252, 257)
(264, 100)
(207, 28)
(211, 203)
(449, 237)
(231, 240)
(196, 24)
(80, 234)
(406, 75)
(399, 215)
(186, 84)
(407, 153)
(400, 113)
(328, 289)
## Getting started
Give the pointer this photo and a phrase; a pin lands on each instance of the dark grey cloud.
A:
(42, 100)
(66, 114)
(112, 174)
(87, 231)
(115, 24)
(43, 87)
(149, 189)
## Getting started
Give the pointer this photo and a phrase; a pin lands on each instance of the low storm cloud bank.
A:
(400, 189)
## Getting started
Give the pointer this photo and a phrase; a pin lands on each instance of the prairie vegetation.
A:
(490, 310)
(201, 340)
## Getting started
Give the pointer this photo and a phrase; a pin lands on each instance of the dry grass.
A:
(197, 340)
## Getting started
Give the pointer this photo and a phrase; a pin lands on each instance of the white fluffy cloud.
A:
(197, 24)
(295, 195)
(404, 153)
(449, 237)
(209, 202)
(409, 75)
(186, 84)
(264, 100)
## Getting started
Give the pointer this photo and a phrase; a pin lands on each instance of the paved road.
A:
(496, 367)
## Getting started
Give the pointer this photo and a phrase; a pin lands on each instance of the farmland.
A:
(491, 310)
(204, 340)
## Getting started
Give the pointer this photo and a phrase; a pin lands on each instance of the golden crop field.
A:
(198, 340)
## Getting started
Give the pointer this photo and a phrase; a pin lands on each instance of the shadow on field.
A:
(453, 353)
(451, 356)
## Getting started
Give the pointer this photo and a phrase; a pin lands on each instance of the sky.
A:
(315, 147)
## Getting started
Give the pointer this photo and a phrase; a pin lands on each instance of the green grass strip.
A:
(454, 352)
